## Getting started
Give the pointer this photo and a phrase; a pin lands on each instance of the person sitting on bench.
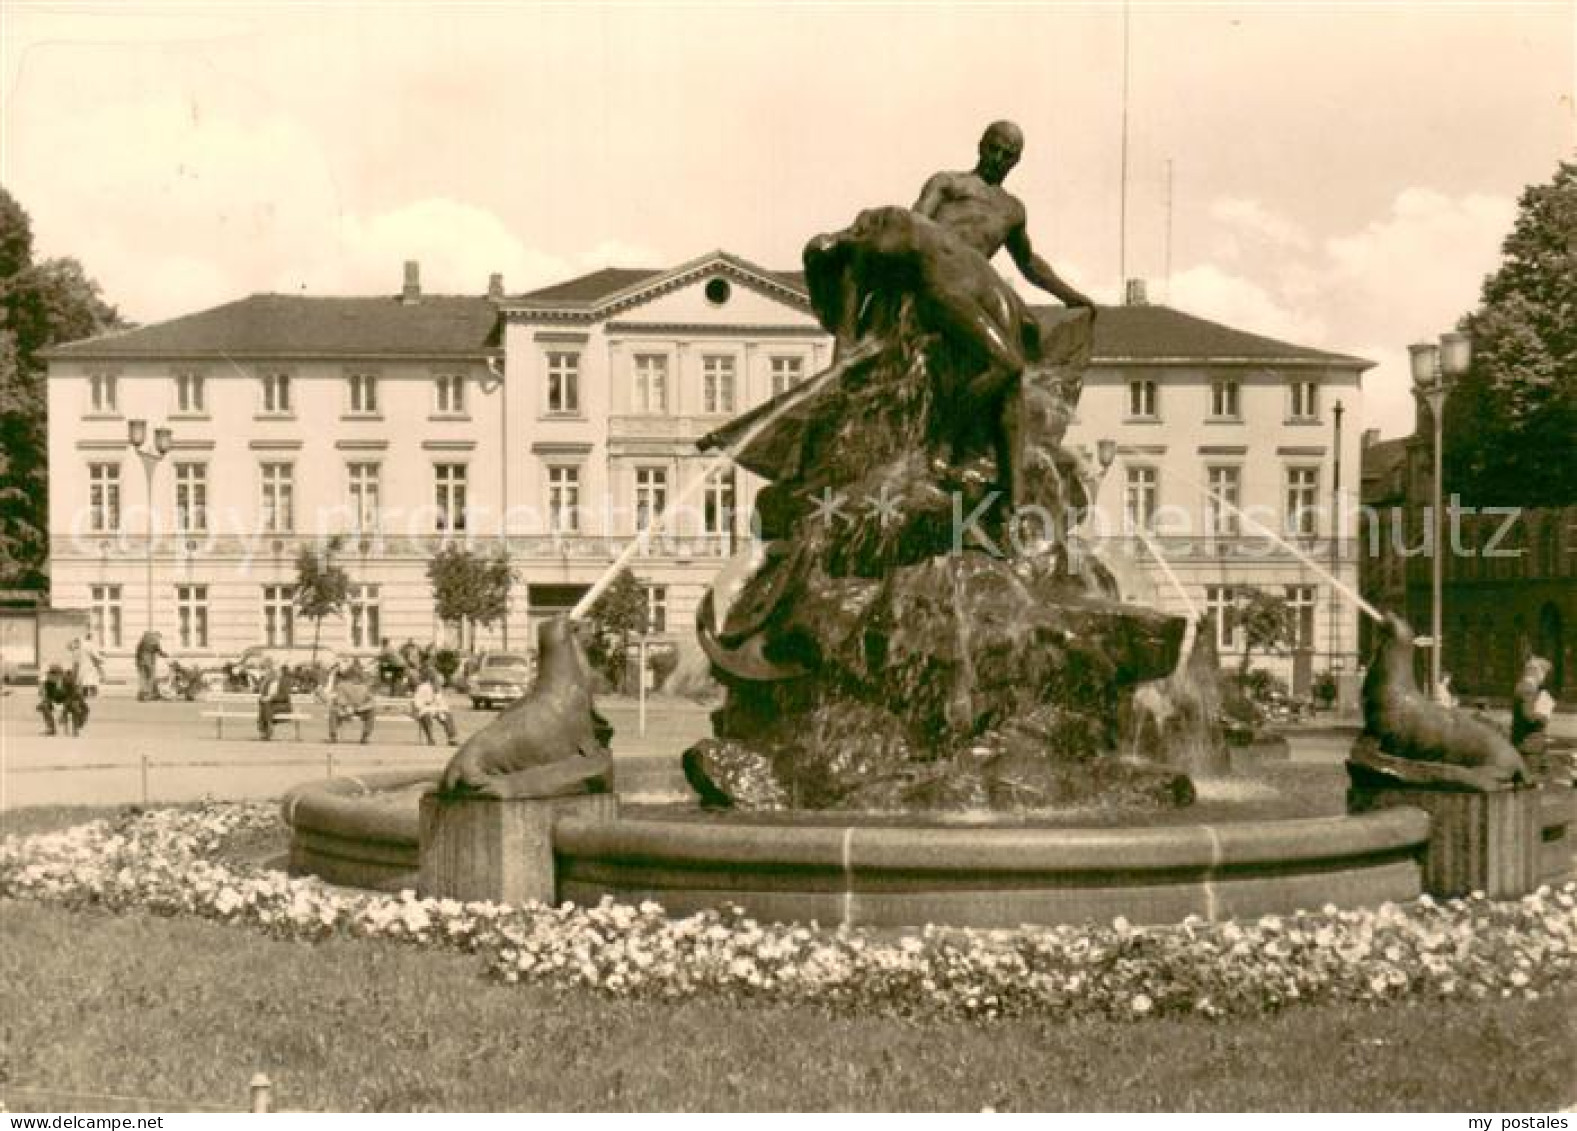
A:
(273, 700)
(349, 697)
(430, 705)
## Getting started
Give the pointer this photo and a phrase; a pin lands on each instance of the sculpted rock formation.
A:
(550, 743)
(918, 632)
(1408, 738)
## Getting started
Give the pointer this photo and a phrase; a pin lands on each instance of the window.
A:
(449, 494)
(279, 496)
(363, 606)
(563, 383)
(449, 394)
(1140, 498)
(1142, 399)
(191, 393)
(786, 373)
(1224, 400)
(191, 497)
(1221, 615)
(276, 393)
(651, 495)
(103, 497)
(651, 383)
(279, 616)
(1303, 487)
(1305, 400)
(103, 393)
(104, 614)
(656, 608)
(1300, 602)
(1226, 493)
(364, 490)
(191, 610)
(718, 509)
(717, 384)
(564, 499)
(363, 388)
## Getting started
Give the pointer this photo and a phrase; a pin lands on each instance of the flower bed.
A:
(168, 862)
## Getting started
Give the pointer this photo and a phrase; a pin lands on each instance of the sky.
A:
(1336, 175)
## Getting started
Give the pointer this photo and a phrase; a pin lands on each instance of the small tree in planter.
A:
(615, 617)
(470, 588)
(1267, 623)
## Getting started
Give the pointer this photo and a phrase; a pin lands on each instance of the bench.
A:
(388, 709)
(243, 705)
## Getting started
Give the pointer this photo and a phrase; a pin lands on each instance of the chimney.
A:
(1371, 437)
(495, 286)
(1133, 294)
(412, 293)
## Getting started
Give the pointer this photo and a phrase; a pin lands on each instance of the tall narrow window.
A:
(786, 373)
(104, 615)
(1142, 399)
(103, 497)
(276, 393)
(650, 393)
(191, 497)
(1300, 603)
(363, 389)
(1303, 488)
(717, 383)
(563, 383)
(279, 616)
(1141, 497)
(1221, 613)
(1226, 494)
(656, 608)
(103, 393)
(651, 495)
(1224, 400)
(564, 499)
(1305, 400)
(449, 495)
(449, 394)
(191, 610)
(719, 509)
(191, 393)
(279, 498)
(364, 616)
(364, 491)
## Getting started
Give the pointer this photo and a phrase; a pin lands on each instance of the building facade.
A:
(557, 423)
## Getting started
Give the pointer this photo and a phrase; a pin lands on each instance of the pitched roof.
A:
(1158, 334)
(271, 325)
(610, 285)
(1383, 465)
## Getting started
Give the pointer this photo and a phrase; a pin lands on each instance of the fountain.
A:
(920, 664)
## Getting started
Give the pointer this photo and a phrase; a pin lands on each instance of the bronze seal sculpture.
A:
(550, 743)
(1409, 738)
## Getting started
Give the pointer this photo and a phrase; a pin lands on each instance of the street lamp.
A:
(136, 438)
(1435, 367)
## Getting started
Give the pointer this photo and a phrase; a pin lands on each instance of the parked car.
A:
(500, 678)
(245, 673)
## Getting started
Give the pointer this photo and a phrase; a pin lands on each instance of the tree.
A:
(615, 617)
(470, 588)
(41, 304)
(322, 586)
(1267, 623)
(1510, 422)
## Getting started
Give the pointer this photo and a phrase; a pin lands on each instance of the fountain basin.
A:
(363, 832)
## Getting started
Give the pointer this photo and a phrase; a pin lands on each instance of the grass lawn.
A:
(188, 1010)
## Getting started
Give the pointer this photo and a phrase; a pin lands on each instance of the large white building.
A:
(557, 421)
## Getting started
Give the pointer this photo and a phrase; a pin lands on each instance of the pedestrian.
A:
(88, 663)
(273, 700)
(1444, 695)
(391, 669)
(149, 649)
(430, 706)
(52, 697)
(74, 707)
(1532, 707)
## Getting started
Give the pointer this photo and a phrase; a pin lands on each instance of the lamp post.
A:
(136, 438)
(1434, 368)
(1334, 618)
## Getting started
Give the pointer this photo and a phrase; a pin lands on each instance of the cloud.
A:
(1253, 219)
(1212, 292)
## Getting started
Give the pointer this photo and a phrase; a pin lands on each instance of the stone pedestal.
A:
(477, 849)
(1486, 841)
